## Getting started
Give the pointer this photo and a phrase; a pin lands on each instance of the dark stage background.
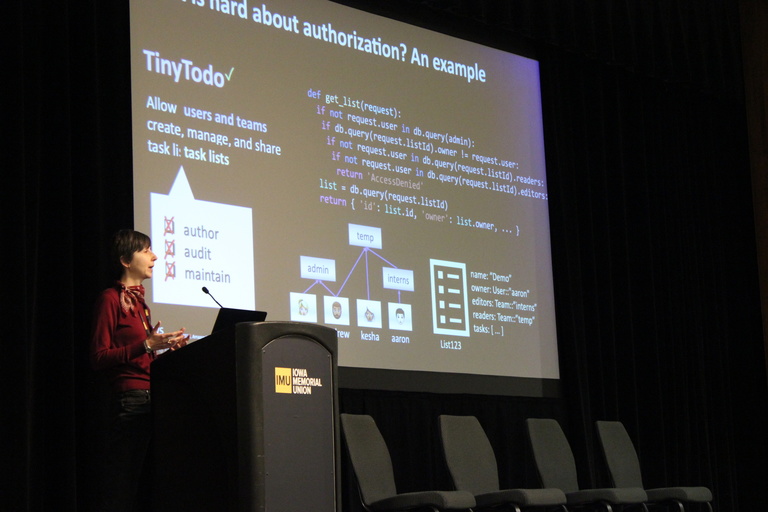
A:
(654, 246)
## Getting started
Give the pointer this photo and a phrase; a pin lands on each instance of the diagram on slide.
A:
(337, 309)
(450, 304)
(201, 243)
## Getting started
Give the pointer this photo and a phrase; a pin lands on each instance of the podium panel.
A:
(247, 420)
(298, 425)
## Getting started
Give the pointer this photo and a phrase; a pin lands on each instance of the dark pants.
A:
(126, 478)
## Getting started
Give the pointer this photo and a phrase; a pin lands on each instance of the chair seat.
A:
(522, 497)
(443, 500)
(693, 494)
(614, 496)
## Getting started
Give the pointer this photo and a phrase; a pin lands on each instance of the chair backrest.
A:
(468, 454)
(552, 455)
(620, 455)
(370, 457)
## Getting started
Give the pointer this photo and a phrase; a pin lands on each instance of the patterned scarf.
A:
(130, 296)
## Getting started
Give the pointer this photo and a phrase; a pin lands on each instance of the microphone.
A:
(211, 296)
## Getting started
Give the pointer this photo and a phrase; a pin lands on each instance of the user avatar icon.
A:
(400, 316)
(336, 310)
(303, 307)
(369, 313)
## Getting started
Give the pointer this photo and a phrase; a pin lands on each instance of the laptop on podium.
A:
(229, 317)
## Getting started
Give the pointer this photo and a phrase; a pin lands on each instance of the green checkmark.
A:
(229, 75)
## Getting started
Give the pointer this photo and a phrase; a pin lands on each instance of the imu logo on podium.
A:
(283, 380)
(295, 381)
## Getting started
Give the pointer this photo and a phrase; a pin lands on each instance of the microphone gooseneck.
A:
(207, 292)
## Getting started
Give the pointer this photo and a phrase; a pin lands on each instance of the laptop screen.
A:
(228, 317)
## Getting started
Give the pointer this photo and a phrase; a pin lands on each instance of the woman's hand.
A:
(166, 340)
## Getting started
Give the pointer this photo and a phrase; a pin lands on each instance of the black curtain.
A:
(652, 230)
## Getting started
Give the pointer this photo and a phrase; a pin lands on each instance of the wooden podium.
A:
(246, 419)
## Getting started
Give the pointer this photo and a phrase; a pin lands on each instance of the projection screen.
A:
(328, 165)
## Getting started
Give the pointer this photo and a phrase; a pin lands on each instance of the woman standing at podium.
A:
(123, 345)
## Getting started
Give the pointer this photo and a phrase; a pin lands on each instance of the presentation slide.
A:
(328, 165)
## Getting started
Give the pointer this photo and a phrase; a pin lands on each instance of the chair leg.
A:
(681, 506)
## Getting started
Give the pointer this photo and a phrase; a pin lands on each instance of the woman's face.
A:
(140, 266)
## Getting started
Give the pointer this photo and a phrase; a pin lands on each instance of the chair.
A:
(624, 468)
(557, 468)
(472, 465)
(372, 466)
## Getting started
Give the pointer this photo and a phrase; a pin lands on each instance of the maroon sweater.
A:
(117, 344)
